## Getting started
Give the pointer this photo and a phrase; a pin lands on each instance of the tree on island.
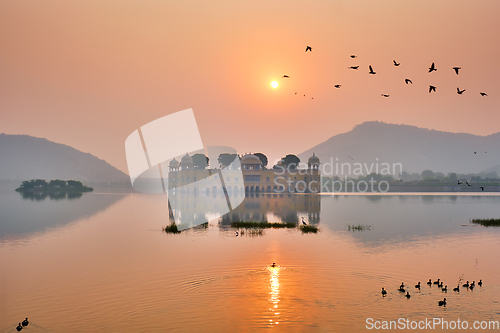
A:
(427, 174)
(57, 183)
(226, 159)
(290, 161)
(263, 159)
(200, 161)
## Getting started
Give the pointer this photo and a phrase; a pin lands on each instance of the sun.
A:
(274, 84)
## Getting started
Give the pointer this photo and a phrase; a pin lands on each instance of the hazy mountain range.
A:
(417, 149)
(24, 157)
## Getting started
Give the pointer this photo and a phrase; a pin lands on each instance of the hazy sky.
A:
(88, 73)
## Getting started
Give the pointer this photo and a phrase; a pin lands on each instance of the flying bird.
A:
(396, 63)
(432, 88)
(408, 81)
(483, 94)
(286, 76)
(467, 183)
(337, 86)
(459, 182)
(475, 152)
(354, 67)
(432, 68)
(371, 70)
(456, 69)
(460, 92)
(353, 56)
(384, 95)
(308, 48)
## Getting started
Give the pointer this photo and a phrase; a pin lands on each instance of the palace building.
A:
(256, 178)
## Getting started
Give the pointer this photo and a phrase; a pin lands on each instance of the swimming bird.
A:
(432, 88)
(286, 76)
(456, 69)
(371, 70)
(429, 282)
(417, 285)
(471, 287)
(303, 222)
(407, 294)
(442, 303)
(466, 285)
(483, 94)
(273, 265)
(440, 285)
(432, 68)
(384, 95)
(308, 48)
(482, 188)
(337, 86)
(445, 289)
(25, 322)
(402, 285)
(460, 92)
(457, 289)
(480, 283)
(473, 284)
(295, 93)
(353, 67)
(401, 289)
(384, 292)
(437, 282)
(353, 56)
(395, 63)
(408, 81)
(19, 327)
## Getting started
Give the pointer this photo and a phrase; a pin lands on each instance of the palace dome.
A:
(313, 159)
(186, 159)
(174, 163)
(250, 159)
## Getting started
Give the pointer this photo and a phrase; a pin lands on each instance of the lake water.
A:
(101, 262)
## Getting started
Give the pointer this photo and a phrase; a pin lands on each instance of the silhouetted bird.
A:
(466, 285)
(482, 188)
(417, 285)
(473, 284)
(286, 76)
(401, 289)
(432, 68)
(25, 322)
(457, 289)
(437, 282)
(395, 63)
(354, 67)
(483, 94)
(432, 88)
(408, 81)
(467, 183)
(456, 69)
(407, 294)
(384, 95)
(460, 92)
(236, 233)
(273, 265)
(295, 93)
(440, 285)
(303, 222)
(384, 292)
(19, 327)
(480, 283)
(459, 182)
(337, 86)
(308, 48)
(353, 56)
(402, 285)
(429, 282)
(371, 70)
(442, 303)
(445, 289)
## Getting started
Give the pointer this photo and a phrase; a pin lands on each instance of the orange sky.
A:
(88, 73)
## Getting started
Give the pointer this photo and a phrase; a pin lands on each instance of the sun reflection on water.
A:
(274, 292)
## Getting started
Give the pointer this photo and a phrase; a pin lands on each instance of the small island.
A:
(53, 186)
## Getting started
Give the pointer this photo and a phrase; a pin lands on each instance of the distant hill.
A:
(24, 157)
(416, 148)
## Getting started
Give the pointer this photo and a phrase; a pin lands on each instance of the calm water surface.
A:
(101, 263)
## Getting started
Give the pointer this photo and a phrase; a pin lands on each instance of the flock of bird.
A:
(439, 283)
(407, 81)
(22, 324)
